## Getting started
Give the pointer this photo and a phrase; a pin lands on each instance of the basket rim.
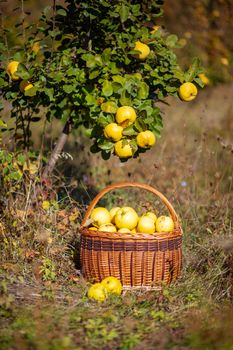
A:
(157, 236)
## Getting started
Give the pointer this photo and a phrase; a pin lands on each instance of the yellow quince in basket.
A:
(164, 224)
(108, 228)
(126, 217)
(100, 216)
(124, 230)
(151, 215)
(146, 224)
(113, 212)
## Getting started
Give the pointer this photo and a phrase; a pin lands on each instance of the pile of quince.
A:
(100, 291)
(126, 220)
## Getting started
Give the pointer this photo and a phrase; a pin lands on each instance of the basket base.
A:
(142, 288)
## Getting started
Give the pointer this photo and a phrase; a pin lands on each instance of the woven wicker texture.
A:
(139, 260)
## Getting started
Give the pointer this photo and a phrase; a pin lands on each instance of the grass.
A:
(43, 297)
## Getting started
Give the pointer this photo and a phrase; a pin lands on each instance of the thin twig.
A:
(54, 14)
(23, 21)
(27, 200)
(57, 150)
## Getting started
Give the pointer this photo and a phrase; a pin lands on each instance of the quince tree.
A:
(83, 63)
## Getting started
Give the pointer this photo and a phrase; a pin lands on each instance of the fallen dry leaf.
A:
(29, 254)
(43, 236)
(74, 278)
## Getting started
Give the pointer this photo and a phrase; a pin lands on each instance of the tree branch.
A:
(57, 150)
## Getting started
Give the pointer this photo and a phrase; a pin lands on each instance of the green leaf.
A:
(117, 88)
(98, 60)
(140, 125)
(199, 82)
(90, 99)
(106, 55)
(49, 92)
(179, 74)
(113, 68)
(23, 72)
(146, 106)
(105, 119)
(130, 131)
(69, 88)
(193, 70)
(87, 132)
(18, 56)
(171, 89)
(136, 9)
(109, 107)
(15, 175)
(119, 79)
(94, 74)
(53, 33)
(21, 159)
(147, 67)
(63, 102)
(171, 40)
(65, 114)
(133, 145)
(3, 83)
(65, 60)
(124, 13)
(90, 60)
(143, 91)
(107, 88)
(72, 71)
(156, 130)
(106, 145)
(125, 100)
(31, 92)
(61, 12)
(137, 76)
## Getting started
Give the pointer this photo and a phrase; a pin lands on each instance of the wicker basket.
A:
(140, 261)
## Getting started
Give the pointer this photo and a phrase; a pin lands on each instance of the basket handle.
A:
(131, 184)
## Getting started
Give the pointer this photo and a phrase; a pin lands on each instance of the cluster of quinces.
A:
(126, 220)
(126, 116)
(100, 291)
